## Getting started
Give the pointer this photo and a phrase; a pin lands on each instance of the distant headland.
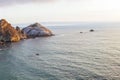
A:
(9, 33)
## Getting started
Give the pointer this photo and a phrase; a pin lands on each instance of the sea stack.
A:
(36, 30)
(81, 32)
(92, 30)
(8, 33)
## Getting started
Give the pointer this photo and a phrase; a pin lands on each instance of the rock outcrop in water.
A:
(8, 33)
(92, 30)
(11, 34)
(36, 30)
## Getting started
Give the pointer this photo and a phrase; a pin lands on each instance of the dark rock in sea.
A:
(81, 32)
(7, 32)
(92, 30)
(36, 30)
(37, 54)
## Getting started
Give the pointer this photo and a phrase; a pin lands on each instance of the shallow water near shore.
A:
(69, 55)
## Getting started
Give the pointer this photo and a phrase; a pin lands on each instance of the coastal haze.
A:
(28, 11)
(74, 52)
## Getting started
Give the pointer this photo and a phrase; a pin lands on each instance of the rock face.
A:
(36, 30)
(11, 34)
(21, 34)
(8, 33)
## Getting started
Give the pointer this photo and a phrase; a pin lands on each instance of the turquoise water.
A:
(68, 55)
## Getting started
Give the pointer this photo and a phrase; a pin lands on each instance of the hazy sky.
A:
(28, 11)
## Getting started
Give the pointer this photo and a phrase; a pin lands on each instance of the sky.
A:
(29, 11)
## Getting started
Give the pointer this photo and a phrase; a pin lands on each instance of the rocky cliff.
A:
(8, 33)
(11, 34)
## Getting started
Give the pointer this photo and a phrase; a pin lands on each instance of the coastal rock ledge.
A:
(36, 30)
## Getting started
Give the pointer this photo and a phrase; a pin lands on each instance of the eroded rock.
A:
(7, 32)
(36, 30)
(21, 33)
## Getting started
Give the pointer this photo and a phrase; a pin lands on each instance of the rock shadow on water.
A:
(5, 45)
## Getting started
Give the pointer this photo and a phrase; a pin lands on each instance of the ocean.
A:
(69, 55)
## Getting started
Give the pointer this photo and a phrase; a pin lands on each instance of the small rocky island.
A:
(36, 30)
(10, 34)
(91, 30)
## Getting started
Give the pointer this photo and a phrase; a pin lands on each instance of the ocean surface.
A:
(69, 55)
